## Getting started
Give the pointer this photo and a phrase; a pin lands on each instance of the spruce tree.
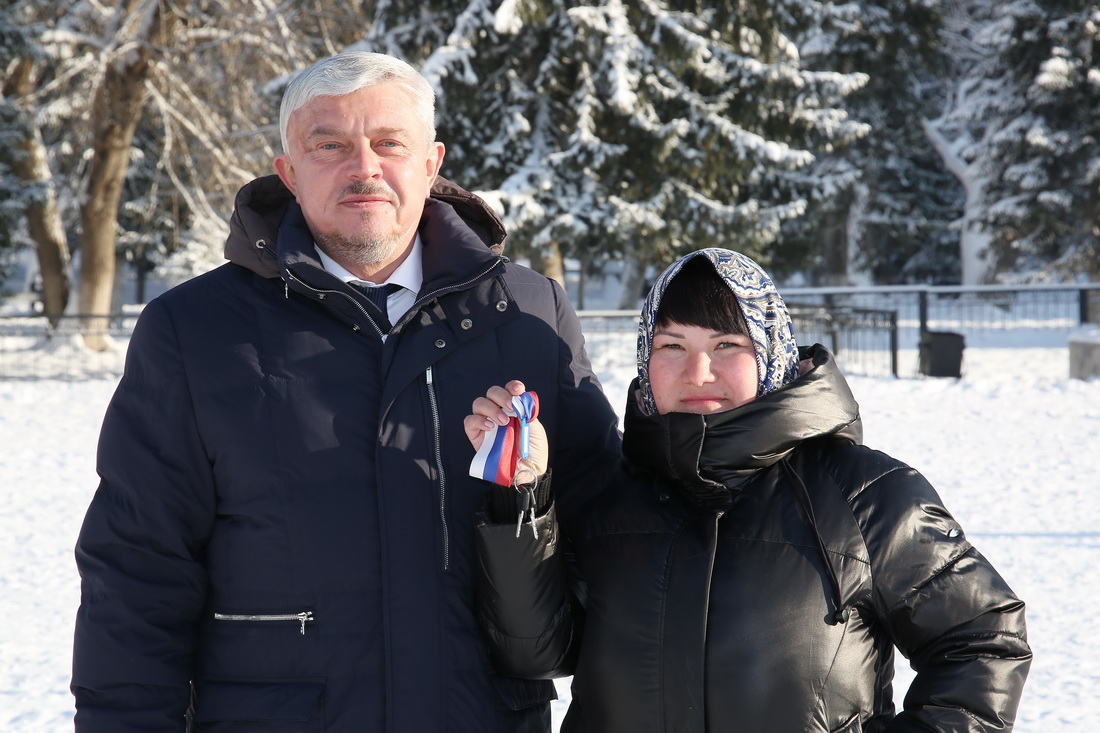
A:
(1043, 163)
(636, 130)
(889, 220)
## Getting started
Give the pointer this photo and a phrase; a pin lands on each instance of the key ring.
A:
(525, 499)
(519, 484)
(503, 457)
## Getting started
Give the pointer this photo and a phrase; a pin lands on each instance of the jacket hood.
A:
(260, 206)
(765, 314)
(708, 456)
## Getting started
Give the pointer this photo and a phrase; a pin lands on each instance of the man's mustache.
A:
(373, 188)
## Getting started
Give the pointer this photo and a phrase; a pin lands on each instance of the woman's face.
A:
(694, 369)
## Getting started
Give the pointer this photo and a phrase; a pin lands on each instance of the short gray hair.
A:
(349, 72)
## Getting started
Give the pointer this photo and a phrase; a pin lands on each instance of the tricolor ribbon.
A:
(504, 445)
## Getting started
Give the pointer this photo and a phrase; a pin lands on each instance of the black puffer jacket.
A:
(738, 577)
(283, 524)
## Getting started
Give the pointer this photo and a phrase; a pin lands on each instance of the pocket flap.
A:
(258, 700)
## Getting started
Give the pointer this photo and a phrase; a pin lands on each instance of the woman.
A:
(753, 566)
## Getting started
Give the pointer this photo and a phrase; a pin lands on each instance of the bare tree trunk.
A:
(43, 216)
(582, 276)
(549, 263)
(854, 232)
(833, 236)
(633, 284)
(973, 241)
(116, 111)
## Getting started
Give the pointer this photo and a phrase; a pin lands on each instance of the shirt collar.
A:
(409, 274)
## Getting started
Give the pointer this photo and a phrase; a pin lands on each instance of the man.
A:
(280, 540)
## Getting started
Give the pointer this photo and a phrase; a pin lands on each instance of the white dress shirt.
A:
(409, 275)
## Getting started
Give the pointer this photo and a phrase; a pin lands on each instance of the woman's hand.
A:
(489, 411)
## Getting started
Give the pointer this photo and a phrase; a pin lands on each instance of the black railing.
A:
(77, 347)
(967, 309)
(864, 339)
(864, 327)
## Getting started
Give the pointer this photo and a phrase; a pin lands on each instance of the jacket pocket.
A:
(522, 694)
(300, 619)
(851, 725)
(244, 705)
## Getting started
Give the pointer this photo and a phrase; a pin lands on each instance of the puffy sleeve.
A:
(586, 448)
(945, 607)
(139, 549)
(526, 606)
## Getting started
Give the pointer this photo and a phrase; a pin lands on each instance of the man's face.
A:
(361, 168)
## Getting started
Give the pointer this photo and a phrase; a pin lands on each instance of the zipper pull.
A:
(302, 618)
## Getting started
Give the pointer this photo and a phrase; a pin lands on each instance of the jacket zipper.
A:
(322, 293)
(458, 286)
(430, 381)
(710, 570)
(431, 392)
(301, 618)
(439, 469)
(427, 297)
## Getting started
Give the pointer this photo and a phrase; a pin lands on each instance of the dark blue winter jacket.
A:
(281, 539)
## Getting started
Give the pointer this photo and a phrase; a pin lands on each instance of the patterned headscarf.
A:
(765, 313)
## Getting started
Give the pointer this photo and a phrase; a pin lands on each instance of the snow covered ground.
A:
(1013, 447)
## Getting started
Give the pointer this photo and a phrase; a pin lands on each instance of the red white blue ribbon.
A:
(504, 445)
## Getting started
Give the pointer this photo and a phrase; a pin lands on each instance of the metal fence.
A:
(865, 338)
(78, 348)
(922, 308)
(865, 327)
(979, 313)
(868, 327)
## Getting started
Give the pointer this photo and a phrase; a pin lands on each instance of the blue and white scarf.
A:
(765, 313)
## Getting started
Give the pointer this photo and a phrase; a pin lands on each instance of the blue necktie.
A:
(379, 295)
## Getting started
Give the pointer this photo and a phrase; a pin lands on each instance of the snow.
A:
(1012, 448)
(1056, 74)
(506, 19)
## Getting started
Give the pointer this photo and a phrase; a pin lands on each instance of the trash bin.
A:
(941, 354)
